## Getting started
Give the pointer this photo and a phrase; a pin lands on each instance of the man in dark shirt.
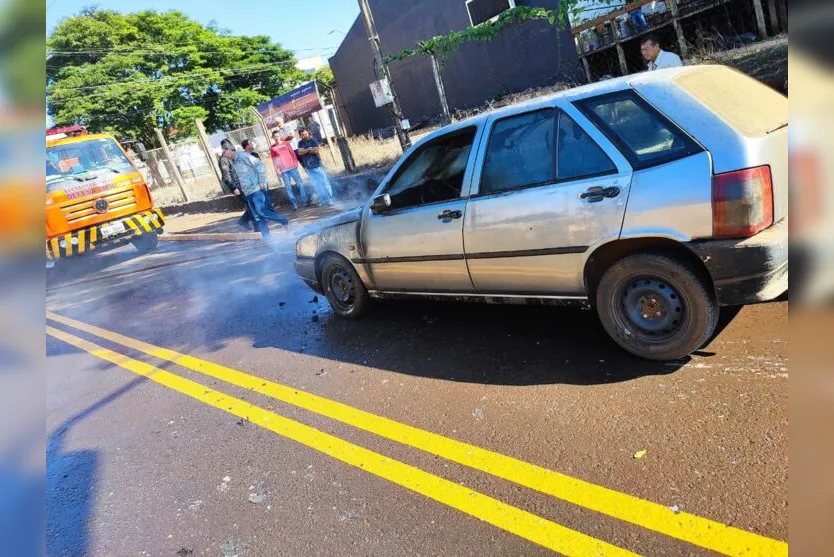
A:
(232, 183)
(308, 155)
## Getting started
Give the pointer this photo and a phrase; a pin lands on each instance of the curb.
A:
(214, 236)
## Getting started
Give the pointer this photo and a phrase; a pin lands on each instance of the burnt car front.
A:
(338, 234)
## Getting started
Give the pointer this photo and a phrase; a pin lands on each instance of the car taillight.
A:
(742, 202)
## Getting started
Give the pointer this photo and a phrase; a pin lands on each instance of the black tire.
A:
(145, 242)
(656, 307)
(343, 288)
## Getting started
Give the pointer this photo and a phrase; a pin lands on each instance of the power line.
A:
(149, 52)
(207, 71)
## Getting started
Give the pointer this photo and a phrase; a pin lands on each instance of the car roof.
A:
(575, 93)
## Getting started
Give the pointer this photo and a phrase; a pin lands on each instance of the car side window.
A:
(520, 152)
(579, 156)
(434, 172)
(646, 137)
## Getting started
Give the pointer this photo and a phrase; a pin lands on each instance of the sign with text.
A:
(301, 101)
(381, 92)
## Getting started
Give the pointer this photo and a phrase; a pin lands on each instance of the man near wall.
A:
(286, 165)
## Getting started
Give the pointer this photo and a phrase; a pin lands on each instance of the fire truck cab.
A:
(96, 198)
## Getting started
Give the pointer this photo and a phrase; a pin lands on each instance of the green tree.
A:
(131, 73)
(326, 81)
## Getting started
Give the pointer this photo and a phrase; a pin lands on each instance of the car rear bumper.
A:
(747, 271)
(306, 269)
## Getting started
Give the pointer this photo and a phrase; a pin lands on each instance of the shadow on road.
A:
(71, 484)
(253, 293)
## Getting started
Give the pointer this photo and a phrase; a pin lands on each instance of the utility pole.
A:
(382, 70)
(441, 90)
(204, 143)
(172, 164)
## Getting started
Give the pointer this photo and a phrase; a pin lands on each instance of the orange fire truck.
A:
(96, 198)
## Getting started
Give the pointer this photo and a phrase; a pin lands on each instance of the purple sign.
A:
(299, 102)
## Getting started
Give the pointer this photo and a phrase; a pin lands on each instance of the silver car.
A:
(656, 198)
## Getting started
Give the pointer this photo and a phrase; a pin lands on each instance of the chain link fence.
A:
(199, 181)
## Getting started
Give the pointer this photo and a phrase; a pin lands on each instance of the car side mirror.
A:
(381, 204)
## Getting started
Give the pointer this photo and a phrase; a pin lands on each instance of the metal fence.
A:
(199, 181)
(192, 168)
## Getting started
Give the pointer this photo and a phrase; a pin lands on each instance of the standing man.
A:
(286, 165)
(231, 182)
(315, 128)
(308, 154)
(251, 173)
(287, 133)
(656, 57)
(227, 168)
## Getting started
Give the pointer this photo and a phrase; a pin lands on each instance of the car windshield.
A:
(69, 164)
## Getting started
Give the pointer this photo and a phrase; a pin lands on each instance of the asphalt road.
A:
(462, 430)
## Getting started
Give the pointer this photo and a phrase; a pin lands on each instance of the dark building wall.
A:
(530, 55)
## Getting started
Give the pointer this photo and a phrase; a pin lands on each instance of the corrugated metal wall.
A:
(532, 55)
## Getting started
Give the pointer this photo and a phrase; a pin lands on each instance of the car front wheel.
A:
(343, 287)
(656, 307)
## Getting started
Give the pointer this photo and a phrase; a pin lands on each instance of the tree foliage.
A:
(326, 81)
(130, 73)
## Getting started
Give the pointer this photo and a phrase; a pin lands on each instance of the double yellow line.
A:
(686, 527)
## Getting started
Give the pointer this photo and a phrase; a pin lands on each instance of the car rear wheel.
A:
(656, 307)
(146, 242)
(343, 288)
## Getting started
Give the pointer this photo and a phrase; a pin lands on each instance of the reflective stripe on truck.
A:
(104, 235)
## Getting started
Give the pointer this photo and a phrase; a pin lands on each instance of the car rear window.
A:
(749, 106)
(644, 135)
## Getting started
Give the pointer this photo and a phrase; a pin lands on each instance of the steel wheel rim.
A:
(342, 289)
(651, 308)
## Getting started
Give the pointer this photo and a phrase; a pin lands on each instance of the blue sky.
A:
(302, 26)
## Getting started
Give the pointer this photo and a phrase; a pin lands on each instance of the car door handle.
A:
(448, 215)
(598, 193)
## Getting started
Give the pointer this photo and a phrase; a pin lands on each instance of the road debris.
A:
(675, 509)
(349, 515)
(257, 497)
(478, 413)
(315, 300)
(195, 505)
(232, 548)
(315, 318)
(242, 422)
(185, 551)
(640, 454)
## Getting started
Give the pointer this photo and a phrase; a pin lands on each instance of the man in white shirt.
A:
(287, 133)
(656, 57)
